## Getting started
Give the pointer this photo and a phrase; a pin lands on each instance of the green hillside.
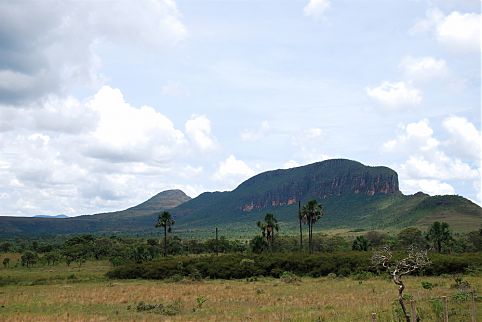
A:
(353, 195)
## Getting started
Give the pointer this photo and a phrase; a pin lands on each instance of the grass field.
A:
(62, 293)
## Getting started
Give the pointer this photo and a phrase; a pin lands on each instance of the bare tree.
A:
(415, 260)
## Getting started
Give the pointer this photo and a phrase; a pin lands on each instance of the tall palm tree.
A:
(300, 218)
(439, 233)
(268, 227)
(310, 214)
(165, 220)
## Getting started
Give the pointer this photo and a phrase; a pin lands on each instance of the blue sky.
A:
(105, 103)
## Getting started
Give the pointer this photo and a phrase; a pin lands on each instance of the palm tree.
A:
(268, 227)
(310, 214)
(300, 218)
(438, 234)
(165, 220)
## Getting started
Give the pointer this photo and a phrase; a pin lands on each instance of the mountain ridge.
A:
(353, 195)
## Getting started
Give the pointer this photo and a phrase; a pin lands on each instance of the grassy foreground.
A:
(62, 293)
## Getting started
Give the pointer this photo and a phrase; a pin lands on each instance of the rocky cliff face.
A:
(320, 180)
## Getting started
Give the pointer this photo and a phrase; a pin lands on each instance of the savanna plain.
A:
(72, 293)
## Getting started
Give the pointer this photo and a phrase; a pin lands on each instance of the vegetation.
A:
(416, 260)
(240, 266)
(439, 234)
(268, 227)
(62, 293)
(310, 214)
(165, 221)
(269, 272)
(351, 193)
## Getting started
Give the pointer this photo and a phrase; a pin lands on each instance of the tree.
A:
(439, 234)
(360, 243)
(51, 257)
(415, 260)
(300, 219)
(6, 247)
(29, 258)
(165, 220)
(268, 227)
(6, 262)
(311, 213)
(258, 244)
(411, 236)
(475, 239)
(376, 238)
(78, 253)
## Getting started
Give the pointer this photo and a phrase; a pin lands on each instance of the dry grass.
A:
(322, 299)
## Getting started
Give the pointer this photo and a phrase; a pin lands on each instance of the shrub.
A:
(169, 309)
(289, 277)
(239, 266)
(427, 285)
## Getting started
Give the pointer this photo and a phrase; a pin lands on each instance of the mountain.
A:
(50, 216)
(164, 200)
(132, 220)
(352, 194)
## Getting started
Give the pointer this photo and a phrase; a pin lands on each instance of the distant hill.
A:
(352, 194)
(51, 216)
(164, 200)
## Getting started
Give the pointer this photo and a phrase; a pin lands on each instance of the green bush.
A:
(427, 285)
(289, 277)
(239, 266)
(168, 309)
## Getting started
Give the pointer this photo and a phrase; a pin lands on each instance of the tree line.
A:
(120, 250)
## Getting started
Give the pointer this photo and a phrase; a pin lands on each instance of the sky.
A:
(103, 104)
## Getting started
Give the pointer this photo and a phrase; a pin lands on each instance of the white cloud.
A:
(416, 136)
(432, 187)
(395, 95)
(460, 31)
(465, 140)
(430, 160)
(442, 167)
(50, 48)
(233, 170)
(120, 155)
(424, 68)
(457, 31)
(256, 134)
(316, 8)
(198, 129)
(128, 133)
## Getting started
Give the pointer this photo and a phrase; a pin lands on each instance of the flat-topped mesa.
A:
(319, 180)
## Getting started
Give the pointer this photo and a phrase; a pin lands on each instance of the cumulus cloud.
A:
(48, 48)
(431, 187)
(457, 31)
(120, 155)
(424, 68)
(316, 8)
(198, 129)
(465, 140)
(416, 136)
(395, 95)
(232, 170)
(429, 160)
(127, 133)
